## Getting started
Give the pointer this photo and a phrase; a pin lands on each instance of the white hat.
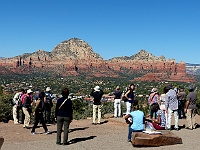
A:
(154, 90)
(48, 89)
(97, 88)
(29, 91)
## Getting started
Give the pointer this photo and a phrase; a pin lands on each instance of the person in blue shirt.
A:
(136, 120)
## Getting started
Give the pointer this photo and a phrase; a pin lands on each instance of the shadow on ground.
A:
(72, 130)
(76, 140)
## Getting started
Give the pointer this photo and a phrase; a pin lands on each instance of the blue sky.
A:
(112, 27)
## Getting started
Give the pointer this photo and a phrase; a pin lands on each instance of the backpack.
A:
(41, 106)
(12, 103)
(22, 99)
(48, 99)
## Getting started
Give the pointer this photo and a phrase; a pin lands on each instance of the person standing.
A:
(130, 98)
(17, 105)
(154, 97)
(190, 108)
(97, 94)
(38, 113)
(171, 106)
(64, 116)
(181, 95)
(162, 104)
(26, 107)
(117, 102)
(48, 105)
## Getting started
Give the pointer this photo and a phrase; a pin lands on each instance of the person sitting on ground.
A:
(160, 122)
(136, 124)
(38, 113)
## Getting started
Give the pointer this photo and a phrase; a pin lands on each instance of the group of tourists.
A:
(25, 100)
(41, 104)
(172, 101)
(162, 106)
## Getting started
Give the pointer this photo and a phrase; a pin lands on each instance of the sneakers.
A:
(33, 133)
(58, 143)
(26, 127)
(177, 129)
(48, 132)
(188, 128)
(16, 123)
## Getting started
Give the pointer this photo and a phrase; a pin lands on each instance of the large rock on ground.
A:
(141, 139)
(109, 115)
(1, 141)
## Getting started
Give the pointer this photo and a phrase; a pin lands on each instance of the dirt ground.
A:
(82, 132)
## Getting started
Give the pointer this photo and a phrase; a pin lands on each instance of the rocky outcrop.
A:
(75, 57)
(155, 140)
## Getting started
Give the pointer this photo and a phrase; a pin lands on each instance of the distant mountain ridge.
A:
(76, 57)
(193, 68)
(77, 48)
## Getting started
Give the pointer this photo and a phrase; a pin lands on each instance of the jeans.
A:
(117, 106)
(47, 113)
(181, 112)
(130, 130)
(95, 108)
(169, 119)
(60, 122)
(128, 108)
(191, 118)
(152, 114)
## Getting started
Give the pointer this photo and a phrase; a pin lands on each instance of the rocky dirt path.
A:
(112, 134)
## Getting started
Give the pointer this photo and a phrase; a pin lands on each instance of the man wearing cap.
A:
(181, 97)
(190, 108)
(171, 106)
(26, 107)
(48, 104)
(97, 94)
(16, 106)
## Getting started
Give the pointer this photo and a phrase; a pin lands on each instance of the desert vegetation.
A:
(79, 86)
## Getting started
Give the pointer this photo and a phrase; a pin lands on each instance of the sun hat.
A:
(97, 88)
(168, 86)
(154, 90)
(190, 87)
(48, 89)
(29, 91)
(117, 88)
